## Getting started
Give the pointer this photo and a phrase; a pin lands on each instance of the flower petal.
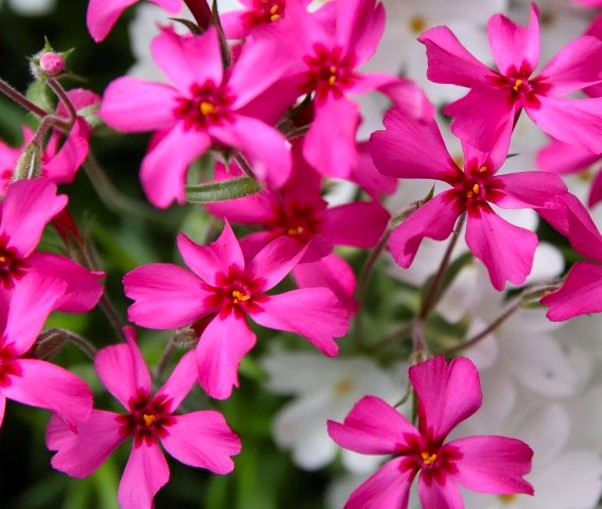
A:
(181, 380)
(275, 261)
(314, 313)
(102, 15)
(442, 494)
(80, 454)
(359, 224)
(493, 464)
(165, 296)
(447, 394)
(225, 341)
(506, 250)
(372, 427)
(145, 474)
(203, 439)
(527, 189)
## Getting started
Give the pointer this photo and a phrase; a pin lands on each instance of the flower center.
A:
(264, 12)
(11, 268)
(207, 105)
(507, 499)
(417, 24)
(235, 292)
(8, 367)
(428, 458)
(302, 222)
(329, 72)
(148, 419)
(238, 296)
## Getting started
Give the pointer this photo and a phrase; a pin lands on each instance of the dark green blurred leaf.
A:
(223, 190)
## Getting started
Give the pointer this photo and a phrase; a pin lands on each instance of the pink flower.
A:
(103, 14)
(221, 292)
(28, 207)
(326, 65)
(199, 439)
(206, 106)
(496, 98)
(411, 148)
(62, 156)
(25, 379)
(581, 292)
(447, 395)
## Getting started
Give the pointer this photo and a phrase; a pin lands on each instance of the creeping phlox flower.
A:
(206, 106)
(32, 381)
(412, 148)
(223, 290)
(103, 14)
(496, 98)
(28, 206)
(326, 63)
(199, 439)
(298, 211)
(447, 395)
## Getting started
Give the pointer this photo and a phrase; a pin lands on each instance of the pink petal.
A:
(408, 97)
(188, 60)
(369, 178)
(163, 171)
(435, 219)
(359, 224)
(595, 192)
(102, 15)
(2, 409)
(166, 296)
(493, 464)
(331, 272)
(581, 293)
(527, 189)
(330, 143)
(562, 157)
(574, 121)
(389, 487)
(81, 98)
(24, 321)
(574, 67)
(122, 371)
(225, 341)
(181, 380)
(133, 105)
(360, 25)
(203, 439)
(372, 427)
(208, 262)
(145, 474)
(234, 25)
(483, 118)
(83, 287)
(275, 261)
(314, 313)
(411, 148)
(266, 149)
(61, 168)
(449, 61)
(506, 250)
(81, 454)
(513, 45)
(45, 385)
(28, 206)
(439, 494)
(447, 394)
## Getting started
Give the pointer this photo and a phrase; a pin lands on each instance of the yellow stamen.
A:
(417, 24)
(207, 108)
(274, 9)
(2, 259)
(240, 297)
(507, 499)
(149, 420)
(275, 17)
(517, 85)
(296, 231)
(332, 80)
(483, 169)
(428, 458)
(343, 386)
(476, 188)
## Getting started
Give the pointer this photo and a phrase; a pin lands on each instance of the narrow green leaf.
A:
(223, 190)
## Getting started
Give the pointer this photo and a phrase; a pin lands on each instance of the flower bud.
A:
(52, 64)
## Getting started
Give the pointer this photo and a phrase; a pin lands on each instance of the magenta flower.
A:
(103, 14)
(199, 439)
(29, 205)
(223, 290)
(411, 148)
(32, 381)
(327, 64)
(496, 98)
(206, 106)
(447, 395)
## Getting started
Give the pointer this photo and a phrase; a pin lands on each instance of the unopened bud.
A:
(29, 165)
(48, 343)
(52, 64)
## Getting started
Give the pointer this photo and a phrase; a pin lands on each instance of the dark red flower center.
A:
(207, 105)
(8, 366)
(12, 268)
(302, 222)
(236, 292)
(148, 419)
(329, 72)
(433, 460)
(264, 12)
(519, 85)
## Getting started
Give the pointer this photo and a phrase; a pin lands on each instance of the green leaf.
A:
(223, 190)
(39, 94)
